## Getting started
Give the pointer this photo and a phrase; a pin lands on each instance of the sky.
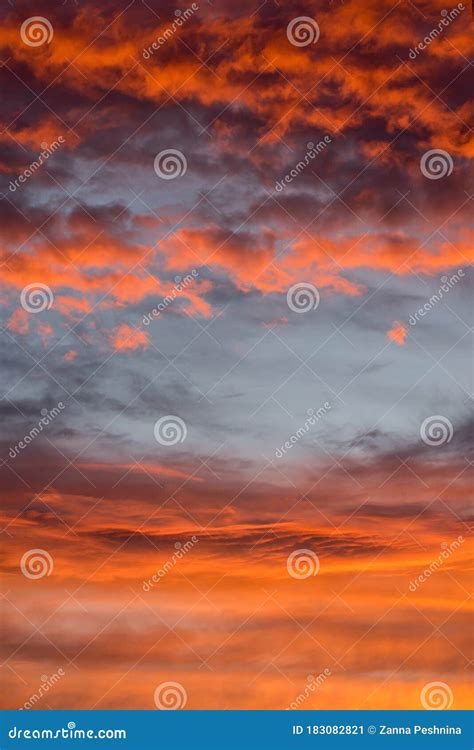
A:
(236, 382)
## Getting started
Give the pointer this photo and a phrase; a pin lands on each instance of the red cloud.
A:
(45, 331)
(397, 333)
(126, 337)
(19, 322)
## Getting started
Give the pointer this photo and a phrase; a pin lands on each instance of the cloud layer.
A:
(236, 309)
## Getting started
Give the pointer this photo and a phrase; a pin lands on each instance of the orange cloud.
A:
(72, 306)
(397, 333)
(19, 322)
(142, 467)
(244, 69)
(230, 597)
(265, 78)
(45, 331)
(125, 338)
(229, 606)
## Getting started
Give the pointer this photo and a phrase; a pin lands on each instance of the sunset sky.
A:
(236, 286)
